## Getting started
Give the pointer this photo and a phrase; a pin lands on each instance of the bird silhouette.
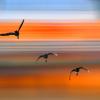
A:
(77, 70)
(45, 56)
(15, 33)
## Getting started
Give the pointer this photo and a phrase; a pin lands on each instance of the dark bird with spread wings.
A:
(45, 56)
(77, 70)
(15, 33)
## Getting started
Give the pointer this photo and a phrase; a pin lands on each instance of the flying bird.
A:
(15, 33)
(77, 70)
(45, 56)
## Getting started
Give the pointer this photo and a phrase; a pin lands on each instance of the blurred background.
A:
(70, 28)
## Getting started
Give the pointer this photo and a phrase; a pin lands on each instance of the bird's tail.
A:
(16, 33)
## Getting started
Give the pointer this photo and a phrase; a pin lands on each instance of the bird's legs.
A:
(77, 73)
(46, 60)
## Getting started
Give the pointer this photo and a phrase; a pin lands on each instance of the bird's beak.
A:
(56, 54)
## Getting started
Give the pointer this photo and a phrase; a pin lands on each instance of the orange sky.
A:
(43, 31)
(85, 81)
(55, 31)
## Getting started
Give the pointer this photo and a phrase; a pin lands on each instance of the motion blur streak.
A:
(52, 31)
(70, 28)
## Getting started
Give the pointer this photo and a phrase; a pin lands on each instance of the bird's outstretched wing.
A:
(83, 68)
(7, 34)
(71, 73)
(20, 25)
(50, 53)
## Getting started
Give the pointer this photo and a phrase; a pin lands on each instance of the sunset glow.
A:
(53, 31)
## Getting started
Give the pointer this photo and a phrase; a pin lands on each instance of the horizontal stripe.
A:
(50, 46)
(47, 4)
(49, 16)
